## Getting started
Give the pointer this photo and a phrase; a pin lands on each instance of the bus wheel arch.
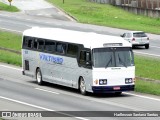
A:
(39, 76)
(82, 85)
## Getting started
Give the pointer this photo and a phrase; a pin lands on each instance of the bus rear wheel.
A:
(82, 86)
(39, 77)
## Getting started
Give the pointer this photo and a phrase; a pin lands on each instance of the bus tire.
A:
(82, 86)
(39, 77)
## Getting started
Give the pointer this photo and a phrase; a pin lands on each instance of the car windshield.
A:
(112, 57)
(139, 34)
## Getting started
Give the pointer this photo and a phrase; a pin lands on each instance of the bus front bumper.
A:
(112, 89)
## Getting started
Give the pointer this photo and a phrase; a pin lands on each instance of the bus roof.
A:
(88, 39)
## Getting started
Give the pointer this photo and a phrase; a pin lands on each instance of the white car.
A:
(137, 38)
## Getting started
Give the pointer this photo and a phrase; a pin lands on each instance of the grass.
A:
(10, 40)
(147, 67)
(8, 8)
(107, 15)
(147, 87)
(10, 58)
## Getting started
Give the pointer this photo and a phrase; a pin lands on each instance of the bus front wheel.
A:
(39, 76)
(82, 86)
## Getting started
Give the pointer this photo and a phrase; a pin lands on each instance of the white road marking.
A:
(11, 67)
(141, 96)
(47, 91)
(39, 107)
(27, 104)
(81, 118)
(147, 54)
(10, 30)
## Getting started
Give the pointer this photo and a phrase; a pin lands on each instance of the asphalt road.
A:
(18, 22)
(22, 90)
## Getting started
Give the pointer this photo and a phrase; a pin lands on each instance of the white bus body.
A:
(82, 60)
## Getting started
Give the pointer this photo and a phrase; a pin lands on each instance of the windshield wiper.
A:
(121, 62)
(110, 60)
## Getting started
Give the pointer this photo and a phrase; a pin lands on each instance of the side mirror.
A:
(88, 56)
(122, 35)
(88, 59)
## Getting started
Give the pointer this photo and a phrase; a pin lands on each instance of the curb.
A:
(65, 13)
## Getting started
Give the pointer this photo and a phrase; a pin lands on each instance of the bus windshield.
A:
(112, 57)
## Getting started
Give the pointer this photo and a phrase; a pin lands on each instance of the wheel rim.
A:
(82, 86)
(39, 77)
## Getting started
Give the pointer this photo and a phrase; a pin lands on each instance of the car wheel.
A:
(147, 46)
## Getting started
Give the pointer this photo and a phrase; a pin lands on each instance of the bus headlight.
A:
(128, 80)
(102, 81)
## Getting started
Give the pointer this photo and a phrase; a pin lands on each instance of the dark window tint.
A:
(35, 44)
(50, 46)
(29, 45)
(139, 34)
(40, 44)
(82, 59)
(61, 48)
(72, 49)
(27, 42)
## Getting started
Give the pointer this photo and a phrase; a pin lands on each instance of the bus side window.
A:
(30, 43)
(50, 46)
(40, 45)
(82, 59)
(35, 44)
(72, 49)
(85, 59)
(25, 42)
(61, 48)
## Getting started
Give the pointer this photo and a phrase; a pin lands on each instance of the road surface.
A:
(23, 90)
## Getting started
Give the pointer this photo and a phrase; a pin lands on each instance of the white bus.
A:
(86, 61)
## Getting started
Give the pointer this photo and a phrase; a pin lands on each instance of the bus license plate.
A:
(116, 88)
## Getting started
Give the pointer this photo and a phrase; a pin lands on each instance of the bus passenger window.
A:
(29, 43)
(40, 44)
(50, 46)
(25, 42)
(61, 48)
(35, 44)
(72, 49)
